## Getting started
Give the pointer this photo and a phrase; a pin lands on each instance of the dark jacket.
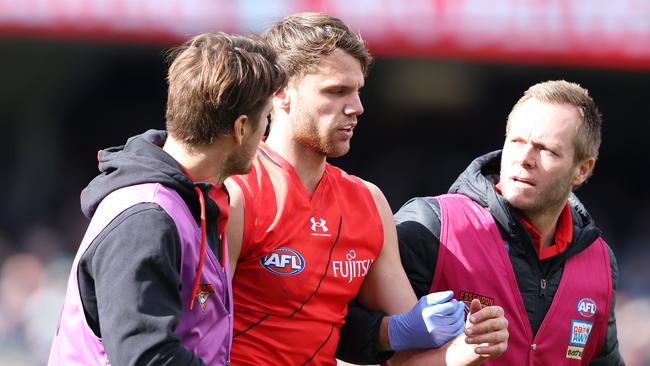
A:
(129, 278)
(418, 229)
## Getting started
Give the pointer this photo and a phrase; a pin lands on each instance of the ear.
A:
(582, 171)
(282, 99)
(239, 129)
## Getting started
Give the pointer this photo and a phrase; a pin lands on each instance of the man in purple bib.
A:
(150, 283)
(511, 233)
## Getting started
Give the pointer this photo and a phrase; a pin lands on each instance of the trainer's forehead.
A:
(544, 121)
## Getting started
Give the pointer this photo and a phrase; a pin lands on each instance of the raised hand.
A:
(488, 329)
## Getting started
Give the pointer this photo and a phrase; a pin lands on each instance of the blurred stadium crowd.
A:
(73, 87)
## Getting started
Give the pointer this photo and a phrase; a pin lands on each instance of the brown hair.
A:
(302, 40)
(213, 79)
(560, 91)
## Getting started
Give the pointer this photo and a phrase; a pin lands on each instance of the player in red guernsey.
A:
(305, 255)
(306, 237)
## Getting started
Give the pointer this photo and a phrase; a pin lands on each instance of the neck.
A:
(204, 163)
(308, 163)
(546, 223)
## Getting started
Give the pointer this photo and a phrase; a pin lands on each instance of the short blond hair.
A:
(588, 136)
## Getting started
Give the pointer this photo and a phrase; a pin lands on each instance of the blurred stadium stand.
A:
(77, 76)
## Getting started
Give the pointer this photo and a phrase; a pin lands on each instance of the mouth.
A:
(525, 181)
(347, 131)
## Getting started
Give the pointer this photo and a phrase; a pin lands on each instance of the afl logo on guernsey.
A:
(284, 262)
(587, 307)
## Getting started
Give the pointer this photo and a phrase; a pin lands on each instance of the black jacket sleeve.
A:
(131, 289)
(609, 354)
(358, 339)
(418, 229)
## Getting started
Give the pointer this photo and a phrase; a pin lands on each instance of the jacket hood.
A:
(140, 160)
(478, 180)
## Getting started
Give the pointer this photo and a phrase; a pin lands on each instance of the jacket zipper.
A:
(541, 303)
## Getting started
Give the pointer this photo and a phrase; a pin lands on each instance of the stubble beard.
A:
(551, 197)
(307, 134)
(238, 162)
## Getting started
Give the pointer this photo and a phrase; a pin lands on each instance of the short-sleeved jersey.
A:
(303, 259)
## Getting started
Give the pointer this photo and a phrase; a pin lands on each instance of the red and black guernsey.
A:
(303, 259)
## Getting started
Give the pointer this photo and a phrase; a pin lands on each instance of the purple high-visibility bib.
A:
(206, 330)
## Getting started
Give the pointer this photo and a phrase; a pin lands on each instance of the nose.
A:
(527, 156)
(354, 106)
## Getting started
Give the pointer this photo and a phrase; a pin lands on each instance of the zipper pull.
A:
(542, 287)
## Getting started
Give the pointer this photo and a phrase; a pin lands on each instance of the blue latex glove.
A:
(432, 322)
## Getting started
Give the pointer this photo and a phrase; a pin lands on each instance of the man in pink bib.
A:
(511, 233)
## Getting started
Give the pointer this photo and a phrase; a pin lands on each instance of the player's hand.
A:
(432, 322)
(488, 329)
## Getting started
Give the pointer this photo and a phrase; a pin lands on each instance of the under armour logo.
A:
(318, 224)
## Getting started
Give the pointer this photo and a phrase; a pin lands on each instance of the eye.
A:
(547, 151)
(336, 91)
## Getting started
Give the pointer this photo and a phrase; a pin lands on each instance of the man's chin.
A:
(241, 170)
(338, 152)
(519, 202)
(245, 170)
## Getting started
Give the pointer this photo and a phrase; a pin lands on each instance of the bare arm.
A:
(235, 226)
(486, 337)
(386, 286)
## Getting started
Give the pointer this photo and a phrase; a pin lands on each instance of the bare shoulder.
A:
(374, 190)
(378, 196)
(235, 193)
(235, 226)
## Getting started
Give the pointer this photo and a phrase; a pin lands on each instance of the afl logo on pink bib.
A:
(587, 307)
(284, 262)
